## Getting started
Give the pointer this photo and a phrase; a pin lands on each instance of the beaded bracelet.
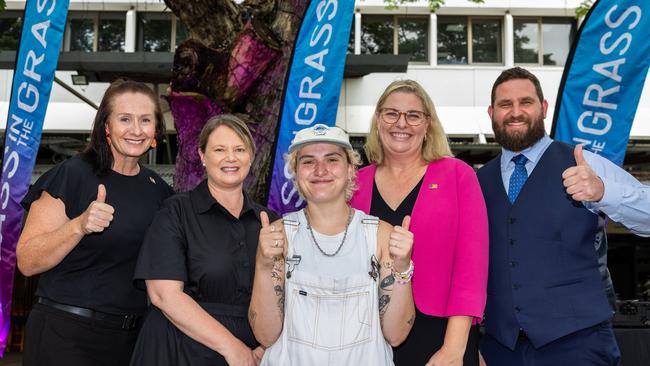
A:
(403, 277)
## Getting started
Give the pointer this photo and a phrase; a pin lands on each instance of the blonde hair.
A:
(435, 145)
(353, 158)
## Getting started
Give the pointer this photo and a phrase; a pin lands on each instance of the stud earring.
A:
(154, 143)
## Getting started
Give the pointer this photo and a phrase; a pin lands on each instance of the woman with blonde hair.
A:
(414, 174)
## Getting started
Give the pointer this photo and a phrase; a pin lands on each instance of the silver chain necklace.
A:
(345, 233)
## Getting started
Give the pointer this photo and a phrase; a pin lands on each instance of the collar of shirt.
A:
(203, 201)
(533, 153)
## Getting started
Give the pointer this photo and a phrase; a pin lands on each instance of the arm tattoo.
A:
(387, 282)
(385, 285)
(383, 304)
(278, 278)
(279, 292)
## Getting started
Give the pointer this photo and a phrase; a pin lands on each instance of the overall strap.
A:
(291, 226)
(370, 226)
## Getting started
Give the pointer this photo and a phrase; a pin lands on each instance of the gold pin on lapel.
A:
(433, 186)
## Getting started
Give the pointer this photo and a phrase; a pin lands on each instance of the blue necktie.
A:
(518, 177)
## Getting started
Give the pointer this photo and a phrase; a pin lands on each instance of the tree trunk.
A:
(235, 62)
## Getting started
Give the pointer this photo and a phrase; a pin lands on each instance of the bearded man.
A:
(547, 301)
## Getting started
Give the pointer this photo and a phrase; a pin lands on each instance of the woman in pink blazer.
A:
(413, 173)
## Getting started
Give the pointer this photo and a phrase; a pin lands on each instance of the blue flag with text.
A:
(37, 57)
(604, 78)
(313, 87)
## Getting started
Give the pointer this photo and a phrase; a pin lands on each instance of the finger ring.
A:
(276, 243)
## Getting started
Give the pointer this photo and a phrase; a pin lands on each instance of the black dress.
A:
(428, 332)
(97, 274)
(197, 241)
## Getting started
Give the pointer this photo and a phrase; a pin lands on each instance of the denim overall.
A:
(332, 309)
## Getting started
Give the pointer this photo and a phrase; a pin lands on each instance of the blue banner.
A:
(604, 77)
(37, 57)
(313, 87)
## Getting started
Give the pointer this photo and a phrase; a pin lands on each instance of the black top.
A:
(97, 273)
(379, 207)
(428, 332)
(197, 241)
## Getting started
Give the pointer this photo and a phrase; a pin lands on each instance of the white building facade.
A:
(455, 53)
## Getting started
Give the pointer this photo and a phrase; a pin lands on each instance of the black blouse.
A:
(379, 207)
(196, 240)
(98, 272)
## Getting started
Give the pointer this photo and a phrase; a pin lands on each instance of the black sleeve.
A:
(163, 252)
(65, 181)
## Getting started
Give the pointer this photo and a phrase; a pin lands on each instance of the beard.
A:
(518, 140)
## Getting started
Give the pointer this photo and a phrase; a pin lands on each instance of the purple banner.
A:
(36, 61)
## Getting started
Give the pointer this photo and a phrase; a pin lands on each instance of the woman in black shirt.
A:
(87, 218)
(198, 261)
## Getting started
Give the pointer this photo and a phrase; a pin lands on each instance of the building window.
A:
(469, 40)
(112, 32)
(377, 34)
(11, 24)
(82, 34)
(180, 32)
(543, 41)
(452, 40)
(486, 41)
(413, 38)
(351, 39)
(395, 35)
(82, 28)
(155, 32)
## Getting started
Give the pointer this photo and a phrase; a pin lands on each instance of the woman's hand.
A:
(447, 357)
(98, 215)
(240, 355)
(272, 241)
(258, 353)
(400, 245)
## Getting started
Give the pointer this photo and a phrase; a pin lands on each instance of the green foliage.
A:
(3, 5)
(583, 8)
(433, 4)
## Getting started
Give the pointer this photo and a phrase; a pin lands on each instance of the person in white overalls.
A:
(332, 285)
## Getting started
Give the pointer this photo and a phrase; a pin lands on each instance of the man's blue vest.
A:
(543, 275)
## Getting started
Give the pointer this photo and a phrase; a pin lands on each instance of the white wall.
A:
(461, 96)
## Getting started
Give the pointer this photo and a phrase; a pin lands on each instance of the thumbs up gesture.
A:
(98, 215)
(272, 241)
(400, 245)
(581, 182)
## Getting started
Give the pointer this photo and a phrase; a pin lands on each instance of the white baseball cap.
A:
(320, 133)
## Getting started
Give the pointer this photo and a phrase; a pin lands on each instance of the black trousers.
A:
(54, 337)
(426, 338)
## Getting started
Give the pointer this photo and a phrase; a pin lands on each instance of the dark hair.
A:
(517, 73)
(234, 123)
(98, 152)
